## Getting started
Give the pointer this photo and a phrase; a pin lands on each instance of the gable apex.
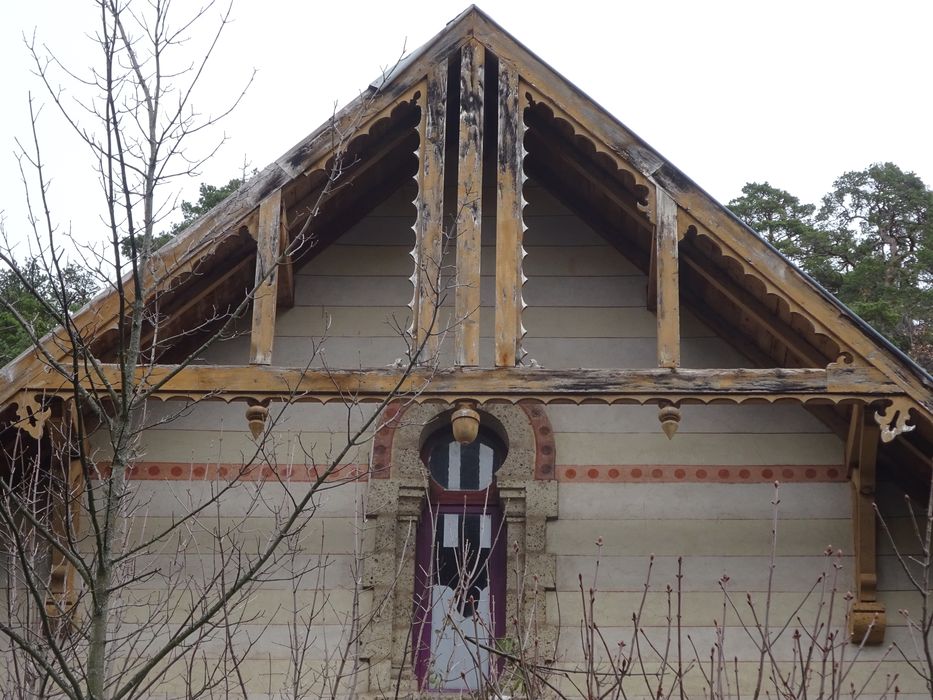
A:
(583, 154)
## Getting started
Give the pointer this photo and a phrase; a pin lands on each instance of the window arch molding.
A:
(396, 497)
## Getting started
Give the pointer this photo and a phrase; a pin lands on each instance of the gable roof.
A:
(602, 169)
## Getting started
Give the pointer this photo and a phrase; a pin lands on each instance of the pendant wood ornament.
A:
(465, 422)
(669, 415)
(256, 415)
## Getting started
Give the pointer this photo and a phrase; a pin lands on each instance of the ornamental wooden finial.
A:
(669, 415)
(256, 415)
(465, 422)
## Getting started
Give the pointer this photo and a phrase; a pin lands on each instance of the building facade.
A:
(514, 408)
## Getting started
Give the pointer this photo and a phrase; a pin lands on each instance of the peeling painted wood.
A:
(510, 226)
(469, 204)
(265, 293)
(831, 385)
(668, 281)
(429, 232)
(868, 616)
(285, 296)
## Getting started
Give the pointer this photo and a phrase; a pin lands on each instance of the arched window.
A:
(460, 588)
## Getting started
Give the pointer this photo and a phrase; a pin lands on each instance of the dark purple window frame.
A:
(421, 628)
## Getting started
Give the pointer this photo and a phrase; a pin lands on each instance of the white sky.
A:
(792, 92)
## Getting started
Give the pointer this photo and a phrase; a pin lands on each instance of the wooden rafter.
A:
(266, 291)
(469, 204)
(358, 165)
(602, 179)
(572, 119)
(805, 353)
(509, 223)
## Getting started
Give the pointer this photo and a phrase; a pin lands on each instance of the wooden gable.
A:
(474, 109)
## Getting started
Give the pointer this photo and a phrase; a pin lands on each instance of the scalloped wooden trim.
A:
(643, 185)
(795, 309)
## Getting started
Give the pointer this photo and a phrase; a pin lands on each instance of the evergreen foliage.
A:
(870, 243)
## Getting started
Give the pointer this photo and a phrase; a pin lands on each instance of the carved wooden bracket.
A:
(893, 419)
(30, 413)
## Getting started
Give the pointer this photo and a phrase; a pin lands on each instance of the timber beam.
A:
(266, 290)
(833, 385)
(285, 292)
(667, 278)
(429, 226)
(469, 204)
(510, 226)
(867, 620)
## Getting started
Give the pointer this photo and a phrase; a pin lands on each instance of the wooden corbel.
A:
(893, 419)
(867, 618)
(30, 413)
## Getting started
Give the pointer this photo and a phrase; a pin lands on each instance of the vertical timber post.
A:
(285, 297)
(509, 223)
(469, 204)
(668, 284)
(867, 619)
(266, 290)
(429, 234)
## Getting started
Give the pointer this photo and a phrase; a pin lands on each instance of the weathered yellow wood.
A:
(854, 435)
(567, 112)
(651, 293)
(863, 482)
(755, 256)
(469, 204)
(668, 281)
(285, 293)
(264, 295)
(509, 224)
(429, 250)
(868, 615)
(830, 385)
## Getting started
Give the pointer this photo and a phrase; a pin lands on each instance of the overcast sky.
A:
(794, 93)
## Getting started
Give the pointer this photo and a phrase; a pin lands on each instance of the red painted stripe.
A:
(182, 471)
(699, 473)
